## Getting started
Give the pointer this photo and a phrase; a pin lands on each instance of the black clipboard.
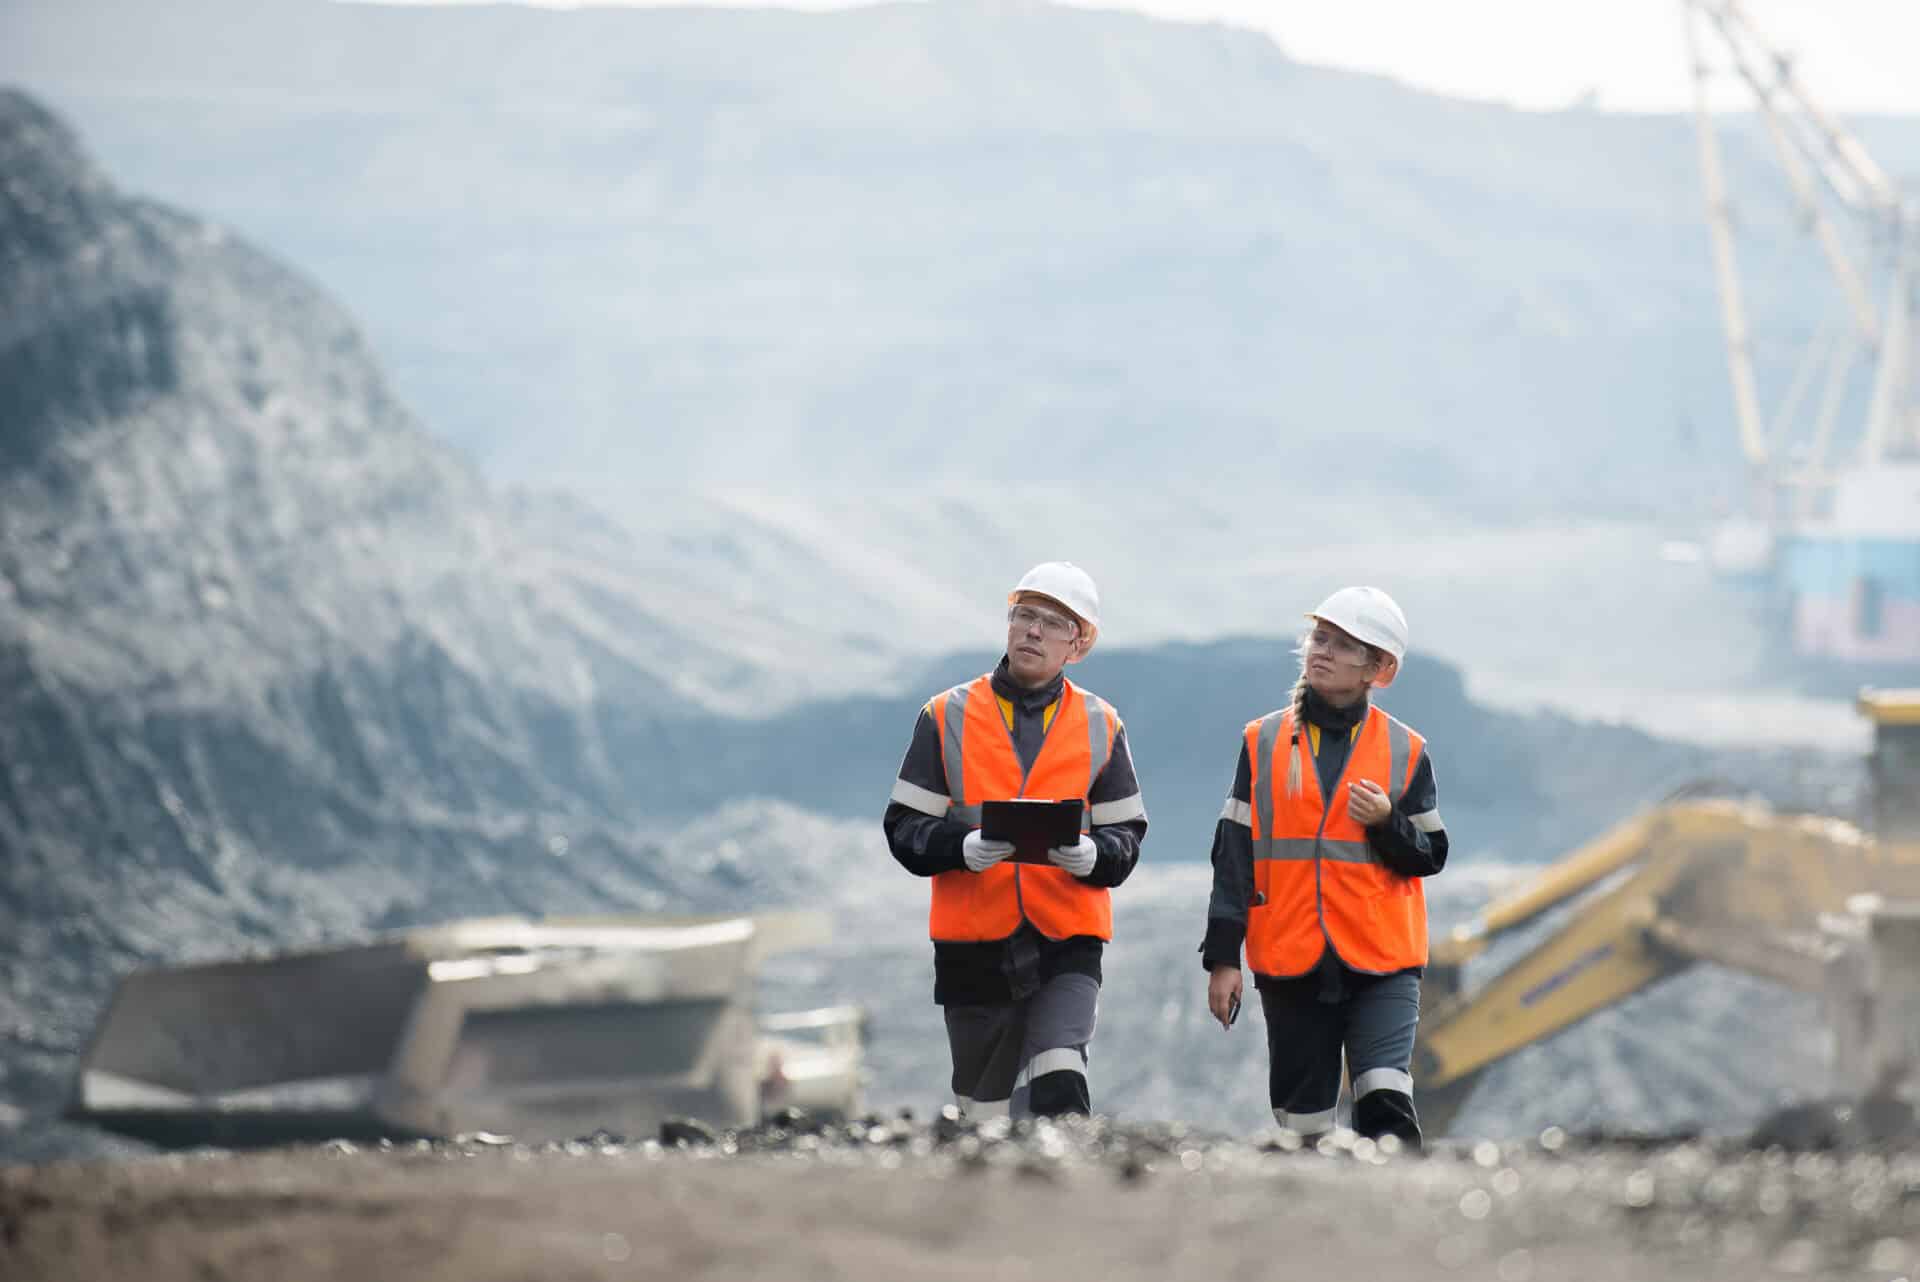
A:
(1031, 825)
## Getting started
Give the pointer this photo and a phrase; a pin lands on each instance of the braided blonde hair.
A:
(1297, 748)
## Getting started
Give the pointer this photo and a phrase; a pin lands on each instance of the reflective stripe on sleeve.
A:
(1117, 812)
(925, 800)
(1382, 1079)
(1238, 811)
(1305, 1123)
(1426, 821)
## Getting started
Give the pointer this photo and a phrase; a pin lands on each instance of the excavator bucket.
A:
(539, 1030)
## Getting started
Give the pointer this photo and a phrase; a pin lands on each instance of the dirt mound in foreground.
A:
(891, 1200)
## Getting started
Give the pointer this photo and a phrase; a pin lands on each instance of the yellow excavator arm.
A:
(1682, 883)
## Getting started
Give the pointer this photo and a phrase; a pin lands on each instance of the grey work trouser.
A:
(1372, 1019)
(1025, 1058)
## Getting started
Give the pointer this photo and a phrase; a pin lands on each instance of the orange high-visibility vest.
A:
(982, 765)
(1316, 879)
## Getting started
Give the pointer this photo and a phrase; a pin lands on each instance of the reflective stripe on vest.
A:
(983, 765)
(1316, 878)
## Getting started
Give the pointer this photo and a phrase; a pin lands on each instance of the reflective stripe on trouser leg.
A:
(1305, 1123)
(1070, 1059)
(1382, 1019)
(1382, 1016)
(1382, 1079)
(1059, 1026)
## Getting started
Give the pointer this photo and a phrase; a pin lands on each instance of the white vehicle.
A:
(539, 1030)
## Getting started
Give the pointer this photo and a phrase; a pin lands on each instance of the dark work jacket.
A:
(1409, 841)
(1001, 970)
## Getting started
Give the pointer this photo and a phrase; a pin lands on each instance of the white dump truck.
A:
(539, 1030)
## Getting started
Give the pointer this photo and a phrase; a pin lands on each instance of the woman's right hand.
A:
(1223, 993)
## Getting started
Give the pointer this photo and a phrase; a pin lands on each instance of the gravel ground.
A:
(895, 1200)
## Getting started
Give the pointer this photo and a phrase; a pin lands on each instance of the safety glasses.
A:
(1337, 645)
(1054, 627)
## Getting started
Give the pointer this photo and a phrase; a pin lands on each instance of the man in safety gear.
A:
(1017, 946)
(1331, 825)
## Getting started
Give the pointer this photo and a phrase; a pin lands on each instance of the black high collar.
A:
(1026, 700)
(1328, 717)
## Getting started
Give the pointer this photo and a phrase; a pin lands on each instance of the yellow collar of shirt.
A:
(1313, 736)
(1006, 713)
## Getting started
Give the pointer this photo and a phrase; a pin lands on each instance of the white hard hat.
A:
(1068, 584)
(1369, 615)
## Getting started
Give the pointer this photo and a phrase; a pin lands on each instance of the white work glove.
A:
(982, 853)
(1077, 858)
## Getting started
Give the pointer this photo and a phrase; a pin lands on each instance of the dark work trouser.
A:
(1371, 1018)
(1026, 1057)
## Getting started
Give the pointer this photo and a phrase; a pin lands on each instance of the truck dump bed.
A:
(540, 1030)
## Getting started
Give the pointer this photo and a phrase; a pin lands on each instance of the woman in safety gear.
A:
(1017, 946)
(1318, 857)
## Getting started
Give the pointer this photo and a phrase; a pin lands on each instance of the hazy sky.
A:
(1857, 55)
